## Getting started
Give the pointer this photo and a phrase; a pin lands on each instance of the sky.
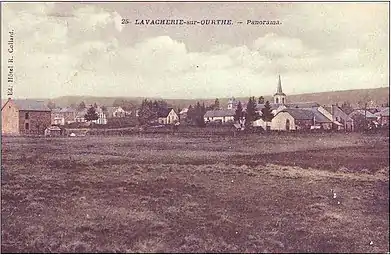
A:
(65, 49)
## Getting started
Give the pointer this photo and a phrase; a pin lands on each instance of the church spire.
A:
(279, 97)
(279, 87)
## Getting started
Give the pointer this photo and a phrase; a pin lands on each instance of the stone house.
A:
(25, 116)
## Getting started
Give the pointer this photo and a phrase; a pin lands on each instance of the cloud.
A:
(277, 46)
(93, 18)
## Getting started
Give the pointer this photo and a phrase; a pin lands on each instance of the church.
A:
(299, 115)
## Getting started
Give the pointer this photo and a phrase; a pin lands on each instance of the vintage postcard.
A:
(195, 127)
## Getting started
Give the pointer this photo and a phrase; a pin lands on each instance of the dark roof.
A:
(219, 113)
(279, 94)
(306, 114)
(368, 114)
(302, 105)
(30, 105)
(385, 112)
(63, 110)
(272, 106)
(164, 112)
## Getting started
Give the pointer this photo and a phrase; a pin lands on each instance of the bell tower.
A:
(279, 97)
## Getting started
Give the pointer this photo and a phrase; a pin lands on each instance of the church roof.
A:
(302, 105)
(272, 106)
(306, 114)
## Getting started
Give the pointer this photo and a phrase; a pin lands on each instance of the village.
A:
(32, 117)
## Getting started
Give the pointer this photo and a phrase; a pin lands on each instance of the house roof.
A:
(111, 109)
(81, 113)
(306, 114)
(368, 114)
(273, 106)
(184, 110)
(385, 112)
(164, 112)
(219, 113)
(63, 110)
(302, 105)
(53, 128)
(29, 105)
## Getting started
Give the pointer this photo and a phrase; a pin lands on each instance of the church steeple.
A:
(279, 97)
(279, 87)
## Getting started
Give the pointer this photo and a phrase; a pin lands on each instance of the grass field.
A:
(168, 193)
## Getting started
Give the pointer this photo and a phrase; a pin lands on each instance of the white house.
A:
(115, 112)
(221, 116)
(102, 119)
(168, 116)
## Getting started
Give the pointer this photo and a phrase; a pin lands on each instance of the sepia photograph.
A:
(195, 127)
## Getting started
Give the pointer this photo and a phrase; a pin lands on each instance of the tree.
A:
(267, 114)
(91, 114)
(261, 100)
(216, 105)
(104, 109)
(190, 115)
(95, 105)
(239, 112)
(360, 122)
(199, 115)
(81, 106)
(251, 112)
(346, 107)
(127, 105)
(51, 105)
(150, 110)
(146, 112)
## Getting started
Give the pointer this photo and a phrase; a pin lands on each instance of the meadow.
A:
(171, 193)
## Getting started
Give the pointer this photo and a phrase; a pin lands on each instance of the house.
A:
(233, 104)
(24, 116)
(341, 120)
(363, 119)
(383, 117)
(62, 116)
(363, 113)
(168, 116)
(300, 119)
(53, 131)
(80, 116)
(265, 125)
(115, 112)
(221, 116)
(102, 119)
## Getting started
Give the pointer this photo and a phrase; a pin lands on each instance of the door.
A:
(287, 125)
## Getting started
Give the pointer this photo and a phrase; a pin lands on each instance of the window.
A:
(283, 100)
(26, 126)
(26, 115)
(276, 100)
